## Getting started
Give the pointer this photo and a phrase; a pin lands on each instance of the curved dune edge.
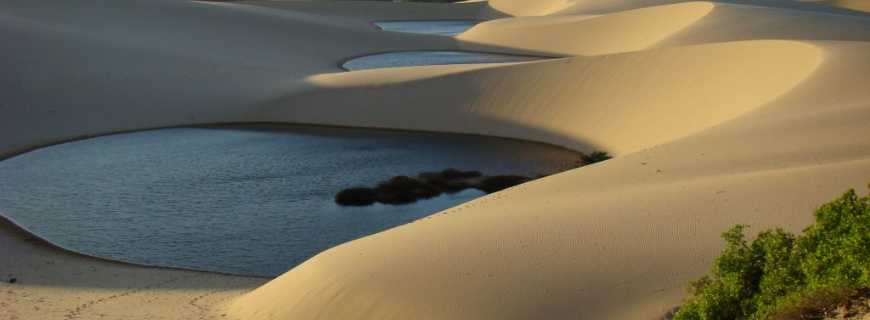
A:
(513, 8)
(581, 35)
(664, 25)
(857, 5)
(709, 134)
(582, 103)
(527, 8)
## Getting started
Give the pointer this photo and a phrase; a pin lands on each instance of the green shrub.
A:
(594, 157)
(778, 272)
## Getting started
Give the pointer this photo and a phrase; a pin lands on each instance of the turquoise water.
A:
(254, 201)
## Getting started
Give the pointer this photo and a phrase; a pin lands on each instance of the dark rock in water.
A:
(13, 280)
(498, 183)
(356, 197)
(404, 189)
(450, 180)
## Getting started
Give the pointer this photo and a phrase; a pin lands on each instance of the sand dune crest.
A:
(579, 35)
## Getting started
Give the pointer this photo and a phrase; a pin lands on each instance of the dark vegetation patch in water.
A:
(404, 189)
(427, 185)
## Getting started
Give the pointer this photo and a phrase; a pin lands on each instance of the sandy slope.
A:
(147, 63)
(617, 240)
(54, 284)
(679, 24)
(501, 8)
(575, 102)
(858, 5)
(852, 4)
(720, 113)
(582, 35)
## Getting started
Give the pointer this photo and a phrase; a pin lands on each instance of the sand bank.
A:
(52, 283)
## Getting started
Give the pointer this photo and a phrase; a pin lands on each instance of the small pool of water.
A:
(246, 200)
(434, 27)
(425, 58)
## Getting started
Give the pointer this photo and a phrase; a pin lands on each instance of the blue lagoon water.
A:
(429, 57)
(434, 27)
(244, 200)
(426, 58)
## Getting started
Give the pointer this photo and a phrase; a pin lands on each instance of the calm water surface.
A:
(238, 200)
(431, 57)
(435, 27)
(426, 58)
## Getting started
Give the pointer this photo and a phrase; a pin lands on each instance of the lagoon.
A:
(253, 200)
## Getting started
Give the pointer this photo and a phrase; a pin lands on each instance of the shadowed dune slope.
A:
(857, 5)
(153, 63)
(679, 24)
(527, 8)
(501, 8)
(581, 35)
(366, 11)
(853, 4)
(734, 22)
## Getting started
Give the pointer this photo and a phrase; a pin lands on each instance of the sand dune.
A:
(371, 10)
(581, 35)
(853, 4)
(577, 102)
(56, 284)
(500, 8)
(679, 24)
(605, 242)
(527, 8)
(719, 113)
(733, 22)
(857, 5)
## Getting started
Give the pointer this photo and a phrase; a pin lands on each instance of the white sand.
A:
(719, 113)
(55, 284)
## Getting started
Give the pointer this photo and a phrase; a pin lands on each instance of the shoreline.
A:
(266, 125)
(30, 236)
